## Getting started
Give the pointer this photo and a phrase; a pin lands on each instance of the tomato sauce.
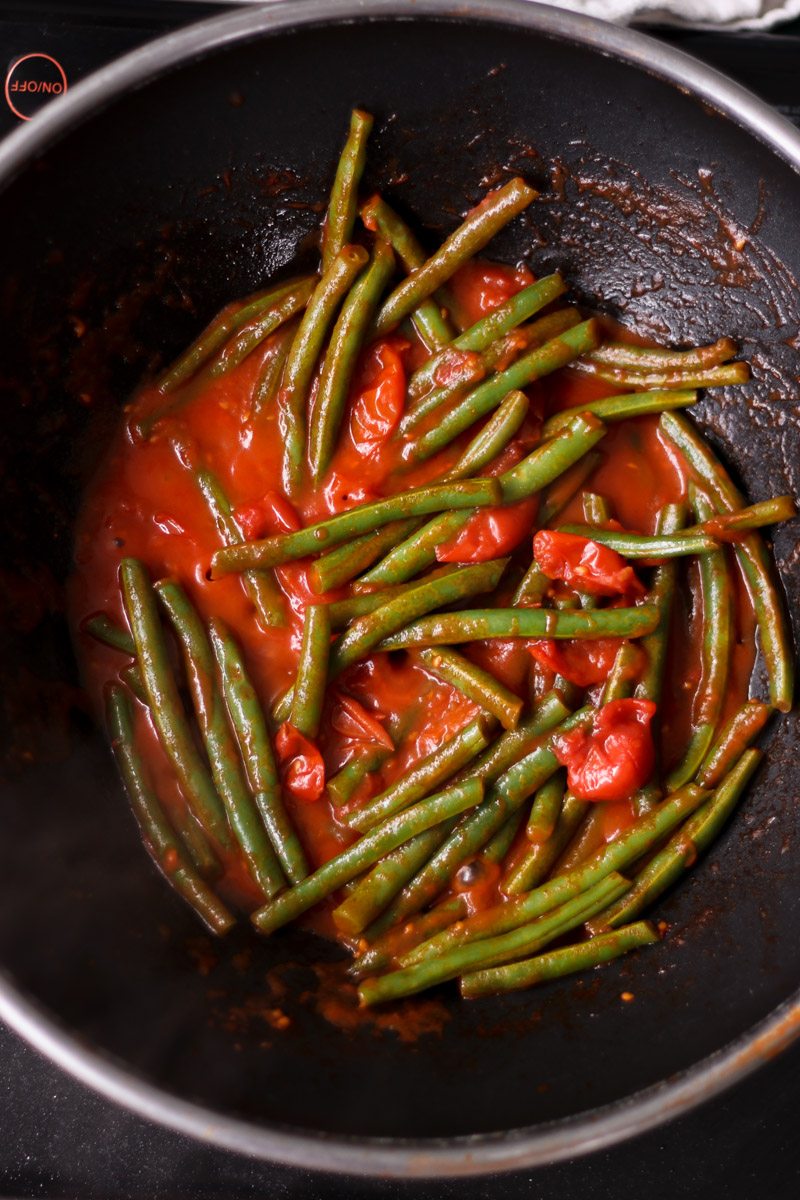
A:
(146, 503)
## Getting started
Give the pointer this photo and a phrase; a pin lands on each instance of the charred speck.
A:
(119, 542)
(471, 873)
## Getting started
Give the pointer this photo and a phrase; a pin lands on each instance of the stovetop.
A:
(60, 1141)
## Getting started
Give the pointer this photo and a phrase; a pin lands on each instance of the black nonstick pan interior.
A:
(123, 236)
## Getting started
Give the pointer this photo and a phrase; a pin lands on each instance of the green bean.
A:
(715, 652)
(350, 863)
(493, 438)
(165, 703)
(343, 612)
(620, 408)
(303, 355)
(531, 588)
(514, 744)
(498, 847)
(555, 498)
(261, 586)
(232, 317)
(546, 807)
(539, 858)
(681, 379)
(555, 964)
(596, 509)
(340, 358)
(493, 951)
(752, 555)
(737, 735)
(644, 358)
(344, 784)
(312, 671)
(289, 546)
(425, 775)
(250, 731)
(640, 545)
(506, 795)
(195, 841)
(618, 855)
(343, 203)
(682, 849)
(489, 329)
(269, 377)
(755, 516)
(103, 629)
(222, 752)
(383, 950)
(472, 625)
(483, 222)
(379, 887)
(476, 683)
(535, 471)
(498, 356)
(432, 326)
(538, 362)
(339, 566)
(261, 326)
(158, 835)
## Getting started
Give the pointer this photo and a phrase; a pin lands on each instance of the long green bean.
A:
(646, 358)
(620, 408)
(354, 521)
(222, 752)
(737, 735)
(270, 376)
(379, 952)
(432, 326)
(345, 562)
(752, 555)
(487, 219)
(259, 327)
(546, 807)
(681, 379)
(475, 682)
(312, 671)
(343, 203)
(159, 837)
(250, 731)
(754, 516)
(303, 355)
(715, 651)
(640, 545)
(341, 355)
(555, 964)
(261, 586)
(472, 625)
(165, 702)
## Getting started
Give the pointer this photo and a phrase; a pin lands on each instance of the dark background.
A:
(59, 1140)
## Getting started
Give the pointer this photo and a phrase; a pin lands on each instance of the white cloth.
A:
(699, 14)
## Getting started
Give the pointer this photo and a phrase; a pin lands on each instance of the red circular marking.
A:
(23, 58)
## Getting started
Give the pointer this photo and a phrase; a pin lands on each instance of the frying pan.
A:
(183, 176)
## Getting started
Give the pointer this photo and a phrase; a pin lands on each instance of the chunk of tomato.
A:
(585, 565)
(613, 759)
(302, 767)
(490, 533)
(378, 404)
(583, 661)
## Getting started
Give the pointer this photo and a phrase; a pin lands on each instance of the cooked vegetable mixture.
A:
(422, 612)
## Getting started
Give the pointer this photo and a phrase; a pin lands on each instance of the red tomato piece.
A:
(378, 406)
(614, 758)
(585, 565)
(584, 661)
(271, 514)
(352, 720)
(490, 533)
(303, 768)
(479, 286)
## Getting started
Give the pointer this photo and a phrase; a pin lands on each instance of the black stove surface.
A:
(60, 1141)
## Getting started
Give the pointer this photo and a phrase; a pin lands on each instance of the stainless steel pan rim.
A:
(484, 1154)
